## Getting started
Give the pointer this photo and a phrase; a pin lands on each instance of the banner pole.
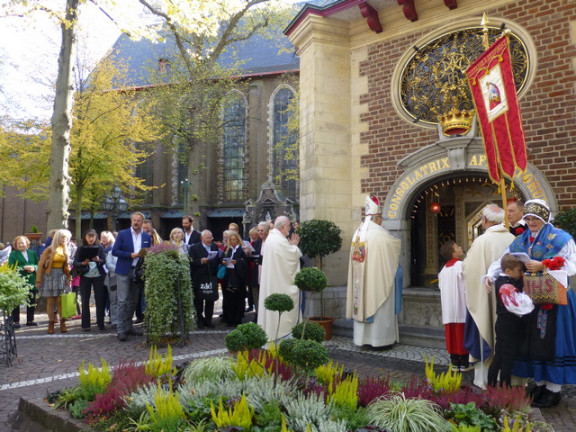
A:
(502, 184)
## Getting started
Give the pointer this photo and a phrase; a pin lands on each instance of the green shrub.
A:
(566, 220)
(311, 279)
(279, 303)
(469, 415)
(309, 330)
(308, 355)
(319, 238)
(167, 282)
(77, 408)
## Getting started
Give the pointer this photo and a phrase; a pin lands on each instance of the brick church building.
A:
(375, 77)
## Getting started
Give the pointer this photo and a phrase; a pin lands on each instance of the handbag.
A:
(221, 271)
(208, 288)
(68, 305)
(543, 288)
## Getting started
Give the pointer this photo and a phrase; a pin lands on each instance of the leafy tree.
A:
(110, 136)
(203, 30)
(191, 104)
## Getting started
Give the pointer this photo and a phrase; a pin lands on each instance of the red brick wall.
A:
(548, 108)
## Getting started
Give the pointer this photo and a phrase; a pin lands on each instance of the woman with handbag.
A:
(26, 261)
(90, 258)
(53, 276)
(234, 286)
(553, 326)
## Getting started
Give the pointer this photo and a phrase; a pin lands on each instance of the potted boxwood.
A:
(319, 238)
(312, 279)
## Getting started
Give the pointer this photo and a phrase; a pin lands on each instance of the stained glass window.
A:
(285, 150)
(234, 147)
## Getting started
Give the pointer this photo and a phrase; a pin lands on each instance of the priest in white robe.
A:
(374, 259)
(280, 264)
(487, 248)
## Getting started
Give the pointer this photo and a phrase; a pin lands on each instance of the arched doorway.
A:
(460, 163)
(448, 209)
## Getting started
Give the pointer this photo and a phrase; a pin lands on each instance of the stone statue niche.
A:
(268, 207)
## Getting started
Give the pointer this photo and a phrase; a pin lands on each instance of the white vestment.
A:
(280, 264)
(374, 258)
(485, 249)
(452, 294)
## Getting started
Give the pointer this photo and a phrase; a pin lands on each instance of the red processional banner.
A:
(492, 83)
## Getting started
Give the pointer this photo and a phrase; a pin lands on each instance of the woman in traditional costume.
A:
(551, 358)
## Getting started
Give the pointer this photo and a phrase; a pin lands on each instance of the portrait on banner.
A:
(493, 93)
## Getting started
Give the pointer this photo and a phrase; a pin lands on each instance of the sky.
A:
(29, 53)
(28, 59)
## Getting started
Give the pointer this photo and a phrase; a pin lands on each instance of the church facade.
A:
(375, 79)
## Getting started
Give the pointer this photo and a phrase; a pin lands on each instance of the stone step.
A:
(409, 335)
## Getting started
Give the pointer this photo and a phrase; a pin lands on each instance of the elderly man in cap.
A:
(481, 317)
(372, 281)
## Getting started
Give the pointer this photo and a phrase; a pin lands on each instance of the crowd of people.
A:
(491, 324)
(107, 268)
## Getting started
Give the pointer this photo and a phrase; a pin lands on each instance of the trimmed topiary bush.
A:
(309, 331)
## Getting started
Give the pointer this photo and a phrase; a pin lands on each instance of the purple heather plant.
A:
(163, 247)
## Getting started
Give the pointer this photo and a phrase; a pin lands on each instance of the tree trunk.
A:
(59, 188)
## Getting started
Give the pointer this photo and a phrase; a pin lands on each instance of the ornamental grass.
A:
(259, 390)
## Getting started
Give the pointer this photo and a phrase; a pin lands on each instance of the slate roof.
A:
(259, 56)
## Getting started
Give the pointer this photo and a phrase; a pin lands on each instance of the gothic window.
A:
(234, 147)
(144, 171)
(284, 145)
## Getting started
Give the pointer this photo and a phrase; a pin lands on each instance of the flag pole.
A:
(502, 184)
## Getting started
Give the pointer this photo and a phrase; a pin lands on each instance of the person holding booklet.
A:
(234, 286)
(203, 268)
(90, 258)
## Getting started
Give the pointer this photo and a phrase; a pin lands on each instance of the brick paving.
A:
(47, 363)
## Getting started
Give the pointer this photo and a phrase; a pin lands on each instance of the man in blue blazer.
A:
(127, 248)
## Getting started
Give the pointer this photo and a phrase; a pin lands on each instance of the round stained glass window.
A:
(433, 79)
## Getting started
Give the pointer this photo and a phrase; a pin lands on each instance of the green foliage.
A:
(328, 373)
(246, 337)
(167, 281)
(77, 408)
(94, 380)
(308, 355)
(309, 330)
(270, 415)
(167, 414)
(158, 366)
(447, 382)
(286, 349)
(397, 413)
(466, 428)
(67, 397)
(240, 414)
(311, 279)
(468, 414)
(566, 220)
(345, 394)
(319, 238)
(279, 302)
(14, 289)
(207, 369)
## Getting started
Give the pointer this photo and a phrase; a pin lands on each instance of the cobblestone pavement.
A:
(47, 363)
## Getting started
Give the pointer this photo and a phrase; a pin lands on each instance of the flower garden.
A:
(290, 388)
